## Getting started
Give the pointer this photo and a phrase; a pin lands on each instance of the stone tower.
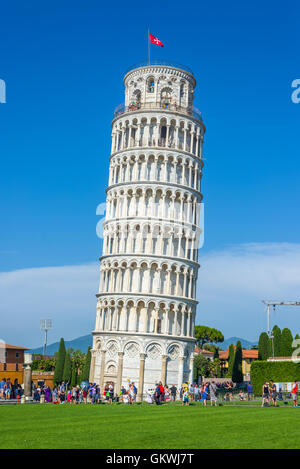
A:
(146, 302)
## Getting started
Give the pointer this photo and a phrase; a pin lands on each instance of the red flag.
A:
(155, 40)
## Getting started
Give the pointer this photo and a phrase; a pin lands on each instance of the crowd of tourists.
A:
(91, 393)
(9, 390)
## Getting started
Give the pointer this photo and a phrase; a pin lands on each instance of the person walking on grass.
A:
(295, 393)
(185, 397)
(265, 394)
(273, 392)
(157, 394)
(205, 394)
(173, 390)
(213, 394)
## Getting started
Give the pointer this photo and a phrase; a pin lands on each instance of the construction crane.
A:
(275, 303)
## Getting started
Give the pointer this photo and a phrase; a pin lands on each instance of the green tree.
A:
(263, 346)
(60, 361)
(276, 333)
(201, 366)
(231, 354)
(286, 348)
(67, 368)
(205, 334)
(85, 376)
(74, 374)
(237, 369)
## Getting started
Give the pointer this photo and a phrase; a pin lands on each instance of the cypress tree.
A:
(263, 346)
(237, 369)
(87, 364)
(230, 360)
(67, 374)
(74, 374)
(60, 362)
(286, 348)
(276, 333)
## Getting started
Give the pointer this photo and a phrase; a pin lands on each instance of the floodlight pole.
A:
(275, 303)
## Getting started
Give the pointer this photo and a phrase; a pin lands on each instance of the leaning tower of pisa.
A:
(146, 304)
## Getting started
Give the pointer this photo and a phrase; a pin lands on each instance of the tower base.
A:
(145, 359)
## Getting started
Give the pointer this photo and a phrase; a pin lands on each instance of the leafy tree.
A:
(74, 374)
(60, 361)
(286, 348)
(67, 368)
(86, 367)
(276, 333)
(201, 366)
(237, 369)
(231, 354)
(205, 334)
(263, 346)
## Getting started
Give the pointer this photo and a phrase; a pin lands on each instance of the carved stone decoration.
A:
(132, 350)
(154, 351)
(112, 349)
(173, 352)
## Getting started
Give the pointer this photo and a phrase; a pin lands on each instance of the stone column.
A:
(120, 372)
(164, 369)
(180, 371)
(103, 353)
(27, 382)
(191, 376)
(92, 367)
(141, 377)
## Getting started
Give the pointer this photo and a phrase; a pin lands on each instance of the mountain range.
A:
(82, 343)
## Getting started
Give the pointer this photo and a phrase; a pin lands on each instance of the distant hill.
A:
(233, 340)
(82, 343)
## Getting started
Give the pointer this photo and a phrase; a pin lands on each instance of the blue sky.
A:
(63, 64)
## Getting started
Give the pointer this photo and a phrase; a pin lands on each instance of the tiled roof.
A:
(14, 347)
(246, 354)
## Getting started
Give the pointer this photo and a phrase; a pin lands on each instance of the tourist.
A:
(191, 392)
(273, 392)
(47, 394)
(61, 393)
(7, 389)
(242, 396)
(157, 394)
(131, 394)
(196, 392)
(213, 394)
(265, 394)
(110, 393)
(2, 386)
(162, 391)
(185, 397)
(205, 394)
(295, 393)
(125, 398)
(167, 393)
(173, 390)
(149, 397)
(250, 391)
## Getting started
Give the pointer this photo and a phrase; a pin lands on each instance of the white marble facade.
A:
(146, 303)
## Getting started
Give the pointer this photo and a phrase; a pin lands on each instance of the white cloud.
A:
(232, 282)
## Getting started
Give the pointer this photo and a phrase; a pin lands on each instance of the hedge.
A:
(279, 372)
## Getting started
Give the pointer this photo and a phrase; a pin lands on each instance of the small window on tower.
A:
(150, 85)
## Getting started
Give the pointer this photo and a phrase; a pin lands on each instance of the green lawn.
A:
(143, 426)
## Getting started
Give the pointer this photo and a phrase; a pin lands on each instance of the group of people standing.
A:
(9, 390)
(270, 394)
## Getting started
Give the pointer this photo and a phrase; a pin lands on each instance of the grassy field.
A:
(153, 427)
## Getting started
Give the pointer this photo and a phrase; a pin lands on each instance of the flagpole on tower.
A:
(148, 47)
